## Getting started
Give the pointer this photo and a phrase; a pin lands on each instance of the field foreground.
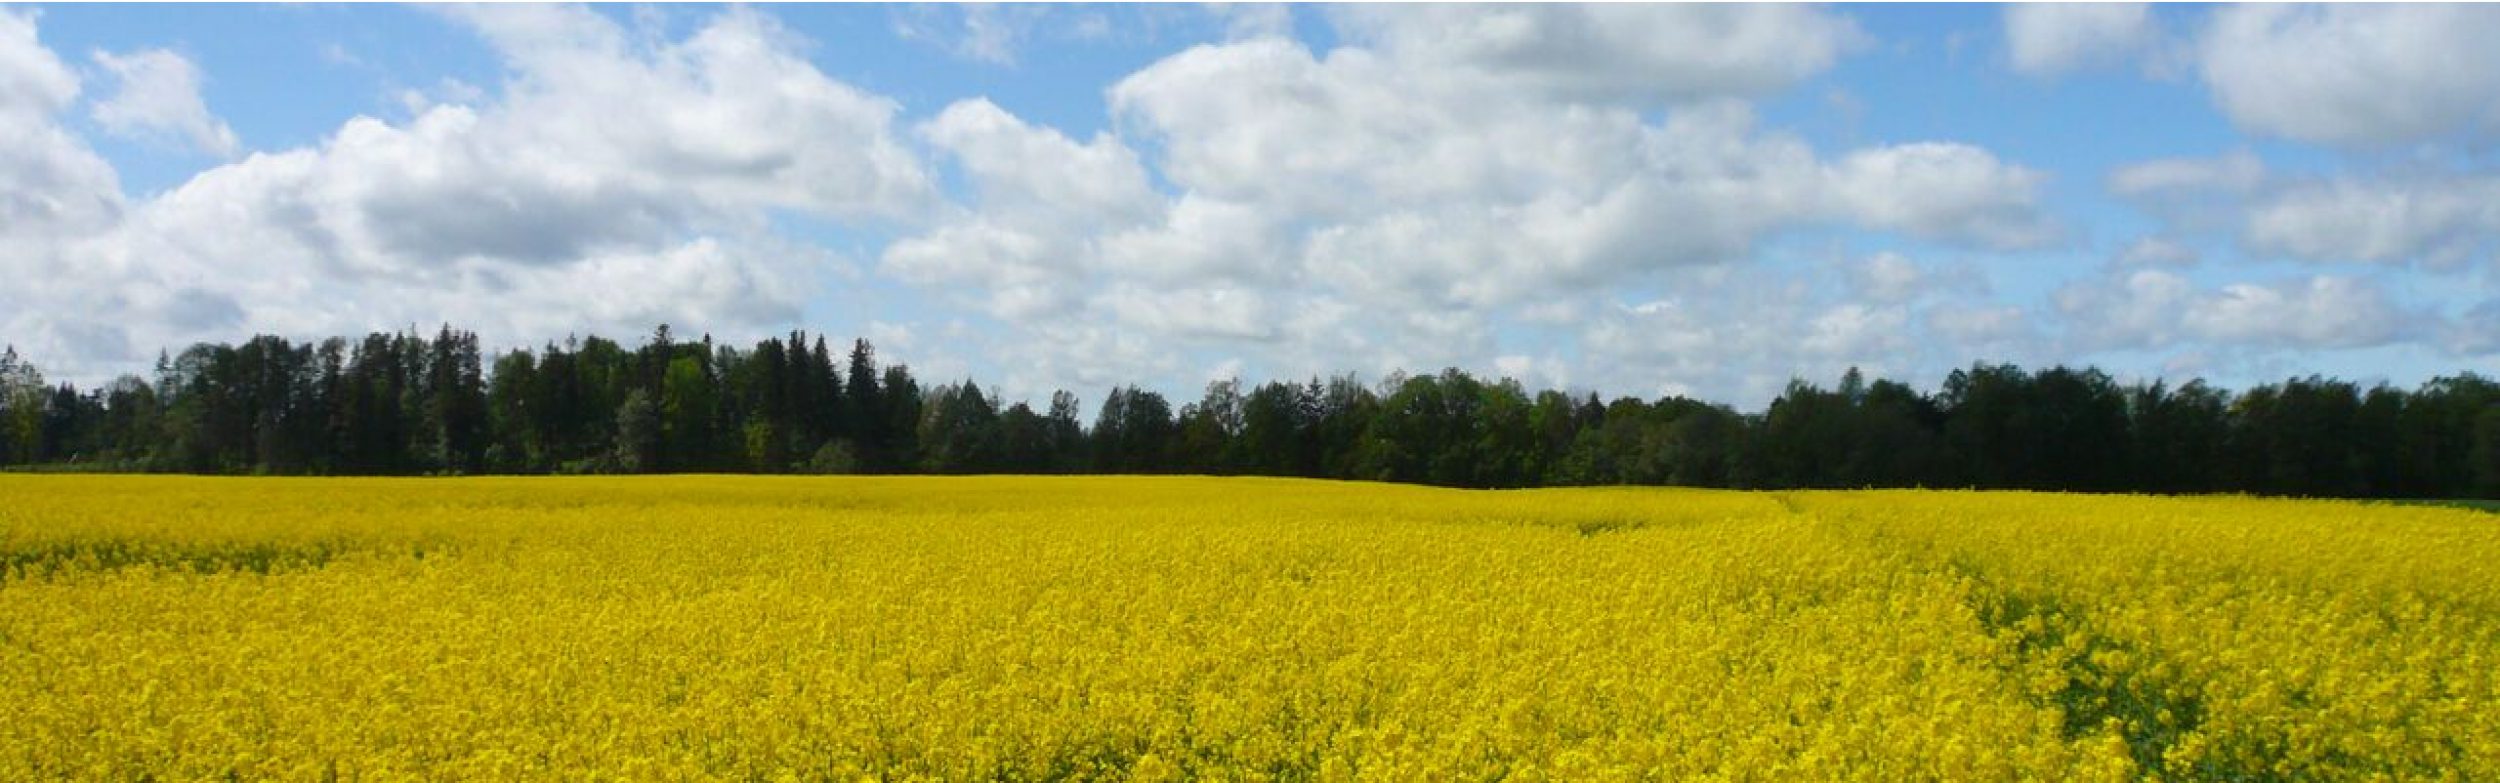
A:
(1229, 629)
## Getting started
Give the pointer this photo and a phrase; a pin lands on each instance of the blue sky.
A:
(1637, 200)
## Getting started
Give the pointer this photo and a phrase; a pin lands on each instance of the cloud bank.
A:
(1592, 196)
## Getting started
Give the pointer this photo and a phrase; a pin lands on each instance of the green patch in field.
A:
(2108, 682)
(1589, 528)
(47, 560)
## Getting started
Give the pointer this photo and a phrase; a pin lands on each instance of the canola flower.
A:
(762, 628)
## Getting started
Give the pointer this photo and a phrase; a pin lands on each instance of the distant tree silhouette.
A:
(401, 403)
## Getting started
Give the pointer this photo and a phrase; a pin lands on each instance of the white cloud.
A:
(2134, 310)
(1198, 238)
(733, 115)
(1017, 270)
(1216, 311)
(55, 193)
(1536, 372)
(1975, 328)
(1040, 201)
(1400, 202)
(1856, 329)
(1265, 121)
(2154, 308)
(51, 183)
(1038, 173)
(158, 99)
(1888, 277)
(2356, 74)
(1253, 20)
(446, 92)
(617, 181)
(32, 79)
(1942, 190)
(2439, 221)
(1739, 335)
(2045, 39)
(1640, 52)
(1576, 190)
(2320, 312)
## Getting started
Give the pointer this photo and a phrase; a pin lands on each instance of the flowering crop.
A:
(1228, 629)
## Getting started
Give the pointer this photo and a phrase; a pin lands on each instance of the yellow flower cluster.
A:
(762, 628)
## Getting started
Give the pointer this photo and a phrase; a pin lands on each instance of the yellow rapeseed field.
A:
(844, 629)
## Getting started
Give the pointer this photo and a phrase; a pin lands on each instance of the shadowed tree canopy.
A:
(404, 403)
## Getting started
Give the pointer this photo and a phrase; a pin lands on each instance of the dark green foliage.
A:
(404, 404)
(836, 457)
(898, 434)
(2150, 714)
(961, 433)
(41, 561)
(866, 425)
(1133, 433)
(1209, 432)
(637, 434)
(689, 408)
(2057, 429)
(455, 411)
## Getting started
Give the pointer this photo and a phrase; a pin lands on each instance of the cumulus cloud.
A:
(617, 180)
(1576, 190)
(2319, 312)
(51, 183)
(1038, 173)
(2152, 308)
(2046, 39)
(2356, 74)
(2135, 310)
(55, 194)
(2443, 220)
(1942, 190)
(34, 81)
(1199, 238)
(157, 98)
(1741, 334)
(1199, 311)
(1855, 329)
(1040, 202)
(1889, 277)
(1643, 52)
(731, 116)
(1392, 202)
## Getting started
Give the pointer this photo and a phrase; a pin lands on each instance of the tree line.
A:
(400, 403)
